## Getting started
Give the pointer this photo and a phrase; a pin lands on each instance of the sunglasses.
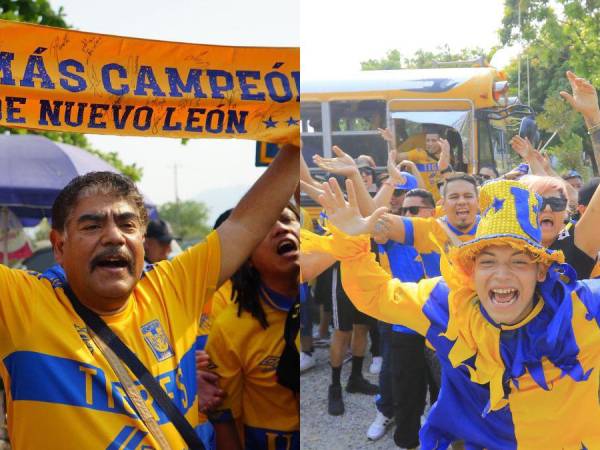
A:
(414, 210)
(556, 204)
(485, 177)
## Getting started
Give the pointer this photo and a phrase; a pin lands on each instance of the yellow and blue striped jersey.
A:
(245, 356)
(428, 167)
(61, 391)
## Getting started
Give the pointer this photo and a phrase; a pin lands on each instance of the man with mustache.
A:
(59, 382)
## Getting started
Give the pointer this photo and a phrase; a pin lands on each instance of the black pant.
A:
(409, 375)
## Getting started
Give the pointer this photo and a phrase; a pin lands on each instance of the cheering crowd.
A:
(479, 291)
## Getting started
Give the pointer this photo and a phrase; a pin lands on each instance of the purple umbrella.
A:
(34, 169)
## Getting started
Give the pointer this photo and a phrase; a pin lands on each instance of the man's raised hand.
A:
(394, 169)
(342, 164)
(522, 146)
(386, 134)
(343, 214)
(584, 98)
(444, 159)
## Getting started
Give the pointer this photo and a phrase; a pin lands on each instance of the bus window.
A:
(486, 154)
(354, 128)
(366, 115)
(310, 115)
(312, 131)
(455, 126)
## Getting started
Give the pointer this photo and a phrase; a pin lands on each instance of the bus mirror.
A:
(529, 130)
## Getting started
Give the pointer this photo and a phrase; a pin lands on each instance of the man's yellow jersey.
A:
(428, 167)
(245, 356)
(61, 391)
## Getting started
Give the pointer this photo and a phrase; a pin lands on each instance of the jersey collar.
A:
(456, 231)
(276, 300)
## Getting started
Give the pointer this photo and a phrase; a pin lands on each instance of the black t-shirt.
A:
(576, 258)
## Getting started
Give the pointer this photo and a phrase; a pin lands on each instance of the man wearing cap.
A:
(574, 179)
(157, 244)
(518, 337)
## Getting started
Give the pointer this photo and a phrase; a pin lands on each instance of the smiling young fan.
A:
(517, 336)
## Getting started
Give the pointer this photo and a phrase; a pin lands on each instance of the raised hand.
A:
(386, 134)
(444, 160)
(584, 98)
(522, 146)
(311, 190)
(342, 164)
(343, 214)
(393, 169)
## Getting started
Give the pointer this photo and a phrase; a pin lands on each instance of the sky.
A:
(335, 36)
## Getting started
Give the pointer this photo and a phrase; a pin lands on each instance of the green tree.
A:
(556, 36)
(41, 12)
(189, 219)
(422, 59)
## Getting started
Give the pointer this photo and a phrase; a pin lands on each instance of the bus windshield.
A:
(455, 126)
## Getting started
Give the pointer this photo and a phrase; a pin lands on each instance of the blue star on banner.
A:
(291, 122)
(270, 123)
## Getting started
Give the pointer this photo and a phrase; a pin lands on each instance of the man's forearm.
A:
(592, 120)
(258, 210)
(384, 196)
(366, 205)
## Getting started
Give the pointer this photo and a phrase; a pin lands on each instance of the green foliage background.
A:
(189, 219)
(556, 36)
(40, 12)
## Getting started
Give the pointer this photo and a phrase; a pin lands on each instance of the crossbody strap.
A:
(98, 326)
(132, 392)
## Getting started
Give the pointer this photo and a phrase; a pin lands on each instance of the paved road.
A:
(319, 430)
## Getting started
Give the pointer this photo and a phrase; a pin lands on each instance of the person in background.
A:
(157, 244)
(487, 172)
(574, 178)
(404, 377)
(253, 349)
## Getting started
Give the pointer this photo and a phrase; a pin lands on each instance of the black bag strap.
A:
(99, 327)
(288, 369)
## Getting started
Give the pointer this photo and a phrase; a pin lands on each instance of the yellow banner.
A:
(54, 79)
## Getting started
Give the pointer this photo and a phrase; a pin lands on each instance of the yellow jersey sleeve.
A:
(20, 292)
(193, 275)
(424, 234)
(225, 362)
(374, 292)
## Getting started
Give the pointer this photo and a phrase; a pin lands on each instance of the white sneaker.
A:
(306, 362)
(375, 366)
(379, 427)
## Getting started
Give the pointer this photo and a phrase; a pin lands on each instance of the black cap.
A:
(159, 230)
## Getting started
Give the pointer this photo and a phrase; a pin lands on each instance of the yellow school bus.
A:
(469, 106)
